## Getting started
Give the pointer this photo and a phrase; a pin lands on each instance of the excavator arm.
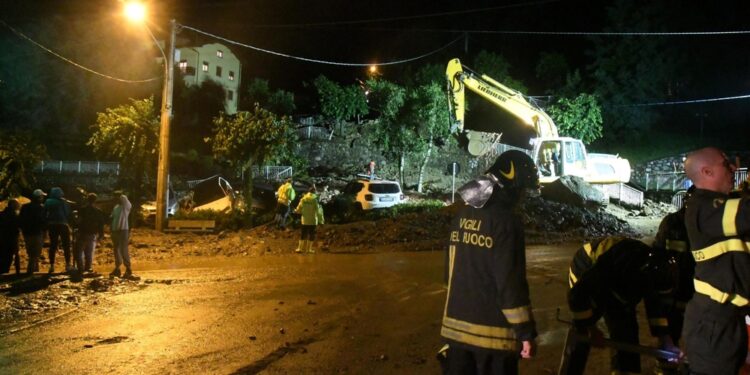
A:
(507, 99)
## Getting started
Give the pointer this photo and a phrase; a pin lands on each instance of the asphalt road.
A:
(284, 314)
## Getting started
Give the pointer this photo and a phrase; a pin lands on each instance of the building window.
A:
(219, 53)
(231, 75)
(218, 71)
(230, 95)
(183, 65)
(205, 66)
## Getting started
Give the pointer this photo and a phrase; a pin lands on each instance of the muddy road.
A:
(281, 314)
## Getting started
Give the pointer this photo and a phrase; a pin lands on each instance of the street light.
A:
(137, 12)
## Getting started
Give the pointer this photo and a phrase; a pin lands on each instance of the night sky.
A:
(376, 31)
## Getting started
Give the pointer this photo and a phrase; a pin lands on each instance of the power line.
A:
(708, 100)
(69, 61)
(402, 18)
(319, 61)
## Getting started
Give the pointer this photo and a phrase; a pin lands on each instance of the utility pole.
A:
(162, 175)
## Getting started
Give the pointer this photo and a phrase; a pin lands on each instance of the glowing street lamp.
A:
(137, 12)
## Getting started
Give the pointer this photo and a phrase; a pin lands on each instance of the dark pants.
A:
(466, 362)
(9, 252)
(34, 244)
(59, 233)
(308, 232)
(282, 213)
(623, 327)
(715, 337)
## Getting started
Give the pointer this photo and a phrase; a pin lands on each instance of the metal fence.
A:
(623, 193)
(272, 172)
(315, 132)
(78, 167)
(675, 181)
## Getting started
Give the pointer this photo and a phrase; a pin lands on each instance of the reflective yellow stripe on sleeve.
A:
(728, 221)
(719, 248)
(587, 249)
(518, 315)
(676, 245)
(717, 295)
(572, 279)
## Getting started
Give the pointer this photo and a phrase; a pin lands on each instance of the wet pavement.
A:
(282, 314)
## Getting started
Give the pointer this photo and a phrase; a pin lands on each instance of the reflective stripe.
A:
(717, 295)
(479, 341)
(601, 248)
(572, 279)
(581, 315)
(483, 336)
(478, 329)
(730, 214)
(677, 245)
(587, 249)
(658, 322)
(518, 315)
(719, 248)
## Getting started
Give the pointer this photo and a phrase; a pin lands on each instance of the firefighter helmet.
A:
(515, 169)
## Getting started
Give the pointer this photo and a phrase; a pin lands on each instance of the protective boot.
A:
(301, 246)
(310, 247)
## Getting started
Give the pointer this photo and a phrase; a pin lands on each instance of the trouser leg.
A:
(17, 259)
(78, 252)
(65, 237)
(34, 244)
(623, 327)
(123, 248)
(5, 259)
(715, 343)
(89, 248)
(578, 358)
(116, 238)
(54, 242)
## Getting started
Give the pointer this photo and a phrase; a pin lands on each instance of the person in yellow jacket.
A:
(312, 216)
(284, 197)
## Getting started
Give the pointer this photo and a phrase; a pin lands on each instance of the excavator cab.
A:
(558, 157)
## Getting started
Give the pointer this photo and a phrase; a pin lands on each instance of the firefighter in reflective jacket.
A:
(719, 229)
(672, 240)
(608, 278)
(487, 321)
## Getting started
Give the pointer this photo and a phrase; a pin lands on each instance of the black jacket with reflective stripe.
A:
(719, 230)
(488, 305)
(672, 238)
(610, 275)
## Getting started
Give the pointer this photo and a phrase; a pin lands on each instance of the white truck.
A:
(555, 156)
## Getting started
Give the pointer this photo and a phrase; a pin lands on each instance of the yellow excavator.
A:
(526, 126)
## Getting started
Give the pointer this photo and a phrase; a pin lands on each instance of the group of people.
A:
(694, 279)
(309, 209)
(76, 231)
